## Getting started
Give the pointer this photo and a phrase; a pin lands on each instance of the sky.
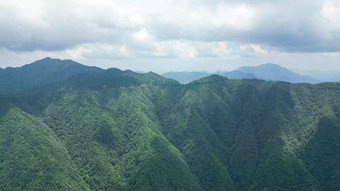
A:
(173, 35)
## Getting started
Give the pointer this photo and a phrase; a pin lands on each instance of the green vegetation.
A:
(39, 73)
(119, 130)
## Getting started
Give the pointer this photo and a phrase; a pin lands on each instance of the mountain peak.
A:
(267, 66)
(209, 79)
(270, 64)
(274, 72)
(40, 72)
(48, 58)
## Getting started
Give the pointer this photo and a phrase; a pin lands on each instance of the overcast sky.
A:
(176, 35)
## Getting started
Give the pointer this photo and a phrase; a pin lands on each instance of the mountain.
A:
(273, 72)
(39, 73)
(239, 75)
(185, 77)
(120, 130)
(324, 76)
(268, 72)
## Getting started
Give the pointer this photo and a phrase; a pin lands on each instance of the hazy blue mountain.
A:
(268, 72)
(41, 72)
(273, 72)
(239, 75)
(185, 77)
(324, 76)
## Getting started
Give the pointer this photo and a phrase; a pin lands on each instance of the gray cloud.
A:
(183, 29)
(306, 26)
(287, 25)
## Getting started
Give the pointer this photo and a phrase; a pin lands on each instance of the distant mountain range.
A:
(268, 72)
(324, 76)
(235, 74)
(186, 77)
(273, 72)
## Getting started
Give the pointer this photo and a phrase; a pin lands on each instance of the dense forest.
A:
(109, 129)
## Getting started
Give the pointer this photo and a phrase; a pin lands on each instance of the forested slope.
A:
(39, 73)
(119, 130)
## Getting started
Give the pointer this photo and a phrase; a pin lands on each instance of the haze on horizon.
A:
(173, 35)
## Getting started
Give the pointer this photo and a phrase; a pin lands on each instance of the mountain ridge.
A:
(235, 74)
(38, 73)
(146, 132)
(276, 72)
(185, 77)
(269, 72)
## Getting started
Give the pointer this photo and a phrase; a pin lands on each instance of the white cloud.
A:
(253, 50)
(330, 13)
(142, 35)
(221, 50)
(181, 49)
(240, 17)
(78, 52)
(138, 20)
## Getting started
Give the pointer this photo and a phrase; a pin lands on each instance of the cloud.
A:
(183, 29)
(253, 50)
(303, 26)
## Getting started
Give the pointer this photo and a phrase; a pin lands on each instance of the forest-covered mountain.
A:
(39, 73)
(120, 130)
